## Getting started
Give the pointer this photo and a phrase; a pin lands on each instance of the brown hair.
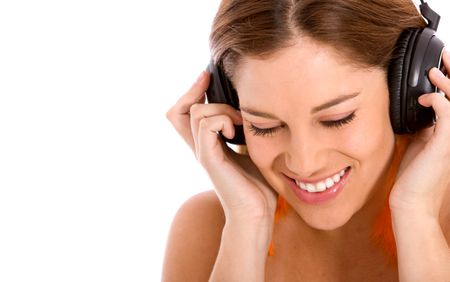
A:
(365, 31)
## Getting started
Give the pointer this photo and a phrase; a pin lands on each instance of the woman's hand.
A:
(244, 194)
(424, 174)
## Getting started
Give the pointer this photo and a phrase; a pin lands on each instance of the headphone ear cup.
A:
(397, 79)
(221, 90)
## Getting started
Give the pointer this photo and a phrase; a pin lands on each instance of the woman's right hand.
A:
(244, 194)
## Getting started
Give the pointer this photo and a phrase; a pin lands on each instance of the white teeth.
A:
(329, 182)
(310, 187)
(336, 178)
(321, 185)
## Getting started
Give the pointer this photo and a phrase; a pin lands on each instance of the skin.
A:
(326, 242)
(290, 84)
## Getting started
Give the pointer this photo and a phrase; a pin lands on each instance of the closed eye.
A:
(263, 131)
(256, 131)
(340, 122)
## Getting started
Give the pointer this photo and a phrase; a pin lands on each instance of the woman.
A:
(327, 191)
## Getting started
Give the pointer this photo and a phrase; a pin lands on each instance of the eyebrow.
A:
(326, 105)
(258, 113)
(334, 102)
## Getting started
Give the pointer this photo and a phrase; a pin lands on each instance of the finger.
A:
(446, 60)
(179, 116)
(200, 111)
(209, 145)
(439, 103)
(441, 106)
(207, 110)
(440, 80)
(194, 95)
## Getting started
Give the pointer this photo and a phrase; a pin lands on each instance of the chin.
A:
(327, 223)
(327, 219)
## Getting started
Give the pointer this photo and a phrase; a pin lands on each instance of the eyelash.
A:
(263, 131)
(339, 123)
(329, 124)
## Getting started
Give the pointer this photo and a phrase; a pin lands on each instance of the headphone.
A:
(417, 51)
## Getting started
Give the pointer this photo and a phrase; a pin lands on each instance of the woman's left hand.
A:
(424, 174)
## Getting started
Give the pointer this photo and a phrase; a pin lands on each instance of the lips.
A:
(318, 194)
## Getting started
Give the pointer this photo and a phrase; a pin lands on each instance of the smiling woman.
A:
(316, 137)
(331, 188)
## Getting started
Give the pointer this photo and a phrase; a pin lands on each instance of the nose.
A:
(305, 156)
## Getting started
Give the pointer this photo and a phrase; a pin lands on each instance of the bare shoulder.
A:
(194, 239)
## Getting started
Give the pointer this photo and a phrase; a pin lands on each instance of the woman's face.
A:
(309, 115)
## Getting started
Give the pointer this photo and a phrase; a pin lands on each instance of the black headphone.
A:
(416, 52)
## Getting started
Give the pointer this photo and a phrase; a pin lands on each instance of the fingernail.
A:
(437, 72)
(422, 98)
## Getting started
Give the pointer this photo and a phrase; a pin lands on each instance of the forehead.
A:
(306, 70)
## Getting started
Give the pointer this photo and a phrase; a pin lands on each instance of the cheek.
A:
(256, 147)
(260, 152)
(265, 154)
(263, 151)
(371, 138)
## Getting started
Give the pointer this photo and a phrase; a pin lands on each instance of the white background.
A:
(91, 173)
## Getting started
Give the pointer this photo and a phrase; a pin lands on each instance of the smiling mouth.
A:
(320, 186)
